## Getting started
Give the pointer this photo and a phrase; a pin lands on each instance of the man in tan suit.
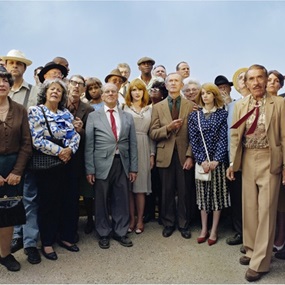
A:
(257, 148)
(169, 130)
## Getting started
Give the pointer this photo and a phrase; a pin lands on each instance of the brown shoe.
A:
(252, 275)
(244, 260)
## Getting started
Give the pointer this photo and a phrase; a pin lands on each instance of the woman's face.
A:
(207, 97)
(155, 95)
(240, 81)
(191, 91)
(54, 93)
(94, 91)
(273, 84)
(4, 87)
(136, 94)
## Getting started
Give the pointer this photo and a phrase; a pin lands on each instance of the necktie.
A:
(113, 124)
(174, 112)
(245, 117)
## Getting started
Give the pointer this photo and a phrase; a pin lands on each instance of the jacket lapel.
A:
(269, 106)
(165, 110)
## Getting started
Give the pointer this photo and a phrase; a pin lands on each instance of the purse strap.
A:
(49, 130)
(199, 123)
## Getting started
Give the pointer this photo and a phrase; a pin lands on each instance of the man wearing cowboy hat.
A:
(118, 79)
(23, 93)
(145, 65)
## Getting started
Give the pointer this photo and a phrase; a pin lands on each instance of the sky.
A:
(214, 37)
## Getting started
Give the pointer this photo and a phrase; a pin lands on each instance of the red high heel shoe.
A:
(212, 241)
(203, 239)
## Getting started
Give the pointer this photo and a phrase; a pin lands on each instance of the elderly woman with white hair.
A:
(191, 89)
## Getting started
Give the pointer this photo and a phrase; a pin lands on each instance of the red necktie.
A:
(245, 117)
(113, 124)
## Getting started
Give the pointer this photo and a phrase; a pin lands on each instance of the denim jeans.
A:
(29, 231)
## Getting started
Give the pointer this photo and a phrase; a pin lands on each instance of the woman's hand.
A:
(206, 166)
(2, 181)
(13, 179)
(213, 164)
(65, 154)
(151, 161)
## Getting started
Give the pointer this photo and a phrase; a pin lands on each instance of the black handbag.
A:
(42, 161)
(12, 211)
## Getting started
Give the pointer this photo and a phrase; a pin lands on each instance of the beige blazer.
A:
(161, 117)
(275, 129)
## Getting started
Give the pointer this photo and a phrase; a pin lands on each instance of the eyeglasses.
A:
(154, 90)
(75, 83)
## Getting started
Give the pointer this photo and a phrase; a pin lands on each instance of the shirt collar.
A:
(106, 109)
(205, 111)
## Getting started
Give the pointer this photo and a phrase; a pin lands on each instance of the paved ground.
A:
(152, 259)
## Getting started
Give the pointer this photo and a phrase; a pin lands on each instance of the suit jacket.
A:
(275, 130)
(100, 144)
(160, 118)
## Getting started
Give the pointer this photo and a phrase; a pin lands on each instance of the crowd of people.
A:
(159, 146)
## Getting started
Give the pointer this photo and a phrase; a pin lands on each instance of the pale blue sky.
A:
(214, 37)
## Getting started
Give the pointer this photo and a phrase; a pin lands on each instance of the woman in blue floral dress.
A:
(212, 196)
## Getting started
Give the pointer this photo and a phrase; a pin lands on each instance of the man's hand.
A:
(230, 174)
(78, 124)
(174, 125)
(132, 176)
(151, 161)
(188, 164)
(13, 179)
(90, 179)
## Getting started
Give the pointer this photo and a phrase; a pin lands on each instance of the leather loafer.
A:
(73, 247)
(50, 256)
(10, 263)
(252, 275)
(185, 233)
(124, 240)
(104, 242)
(16, 244)
(33, 255)
(236, 239)
(244, 260)
(167, 231)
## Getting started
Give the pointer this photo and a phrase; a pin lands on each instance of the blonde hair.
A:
(210, 87)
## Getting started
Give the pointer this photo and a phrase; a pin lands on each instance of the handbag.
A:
(200, 174)
(12, 211)
(42, 161)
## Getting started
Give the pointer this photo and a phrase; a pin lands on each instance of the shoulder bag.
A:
(42, 161)
(200, 174)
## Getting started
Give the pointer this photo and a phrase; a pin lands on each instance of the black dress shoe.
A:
(236, 239)
(73, 247)
(168, 231)
(16, 244)
(10, 263)
(185, 233)
(33, 255)
(280, 254)
(50, 256)
(104, 242)
(89, 227)
(124, 240)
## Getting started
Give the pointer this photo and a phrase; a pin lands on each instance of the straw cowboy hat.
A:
(236, 75)
(18, 56)
(115, 72)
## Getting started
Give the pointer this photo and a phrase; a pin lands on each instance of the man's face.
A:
(76, 87)
(125, 72)
(146, 67)
(240, 81)
(117, 80)
(256, 82)
(110, 95)
(62, 61)
(184, 70)
(16, 68)
(53, 74)
(174, 84)
(160, 72)
(225, 88)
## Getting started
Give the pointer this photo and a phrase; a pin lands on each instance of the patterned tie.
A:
(113, 124)
(174, 112)
(245, 117)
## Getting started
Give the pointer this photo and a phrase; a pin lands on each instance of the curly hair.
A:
(43, 90)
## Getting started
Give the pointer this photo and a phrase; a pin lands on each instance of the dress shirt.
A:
(117, 118)
(178, 102)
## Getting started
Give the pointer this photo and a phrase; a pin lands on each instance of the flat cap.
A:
(145, 59)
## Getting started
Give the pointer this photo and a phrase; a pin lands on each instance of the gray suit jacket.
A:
(100, 144)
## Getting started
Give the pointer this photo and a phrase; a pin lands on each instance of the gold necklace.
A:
(4, 111)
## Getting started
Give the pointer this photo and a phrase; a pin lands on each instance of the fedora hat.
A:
(18, 56)
(145, 59)
(221, 79)
(51, 65)
(115, 72)
(236, 75)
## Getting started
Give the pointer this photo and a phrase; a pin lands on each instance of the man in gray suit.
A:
(111, 163)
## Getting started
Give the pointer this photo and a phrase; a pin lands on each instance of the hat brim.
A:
(149, 60)
(48, 68)
(110, 75)
(24, 60)
(236, 74)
